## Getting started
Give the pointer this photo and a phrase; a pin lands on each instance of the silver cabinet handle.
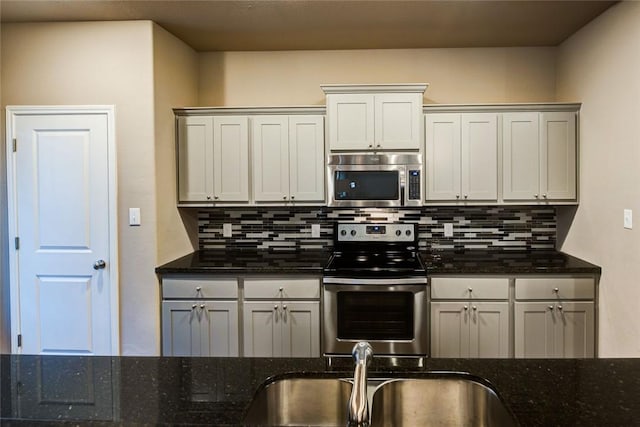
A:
(280, 288)
(457, 196)
(560, 307)
(284, 307)
(284, 197)
(556, 290)
(550, 307)
(193, 307)
(198, 288)
(466, 196)
(293, 197)
(466, 308)
(216, 197)
(370, 146)
(535, 195)
(474, 308)
(99, 264)
(470, 290)
(275, 307)
(544, 195)
(378, 145)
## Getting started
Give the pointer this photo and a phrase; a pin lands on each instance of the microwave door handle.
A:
(401, 194)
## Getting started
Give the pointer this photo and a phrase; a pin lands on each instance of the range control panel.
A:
(376, 232)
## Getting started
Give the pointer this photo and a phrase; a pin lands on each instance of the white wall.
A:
(600, 66)
(454, 75)
(102, 63)
(175, 68)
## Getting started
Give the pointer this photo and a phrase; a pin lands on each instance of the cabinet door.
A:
(195, 159)
(449, 329)
(534, 330)
(443, 156)
(301, 329)
(479, 156)
(574, 329)
(558, 155)
(398, 121)
(181, 329)
(489, 330)
(270, 142)
(306, 158)
(231, 159)
(219, 328)
(351, 119)
(262, 329)
(521, 157)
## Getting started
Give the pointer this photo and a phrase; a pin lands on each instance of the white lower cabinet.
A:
(470, 329)
(196, 321)
(200, 328)
(282, 328)
(548, 324)
(282, 317)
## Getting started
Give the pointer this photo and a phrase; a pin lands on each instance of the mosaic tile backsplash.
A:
(289, 229)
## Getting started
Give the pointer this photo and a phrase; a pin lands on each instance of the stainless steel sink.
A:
(300, 402)
(435, 399)
(448, 400)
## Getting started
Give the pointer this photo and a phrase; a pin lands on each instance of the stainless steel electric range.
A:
(375, 290)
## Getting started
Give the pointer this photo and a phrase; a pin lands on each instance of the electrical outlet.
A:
(315, 231)
(226, 230)
(628, 219)
(448, 230)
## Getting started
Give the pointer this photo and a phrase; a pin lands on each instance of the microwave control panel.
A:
(414, 184)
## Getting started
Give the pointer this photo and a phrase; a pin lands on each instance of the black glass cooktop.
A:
(385, 263)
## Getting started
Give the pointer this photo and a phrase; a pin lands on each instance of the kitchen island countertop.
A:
(217, 391)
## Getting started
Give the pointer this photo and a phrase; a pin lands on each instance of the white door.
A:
(262, 329)
(534, 330)
(301, 328)
(489, 333)
(450, 329)
(62, 217)
(558, 155)
(219, 328)
(195, 159)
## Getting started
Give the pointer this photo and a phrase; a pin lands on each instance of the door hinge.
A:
(17, 243)
(19, 340)
(15, 144)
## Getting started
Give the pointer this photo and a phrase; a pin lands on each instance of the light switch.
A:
(315, 230)
(226, 230)
(134, 216)
(448, 230)
(628, 218)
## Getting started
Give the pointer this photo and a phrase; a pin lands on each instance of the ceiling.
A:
(229, 25)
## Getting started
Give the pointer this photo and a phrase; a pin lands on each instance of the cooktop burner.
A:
(366, 250)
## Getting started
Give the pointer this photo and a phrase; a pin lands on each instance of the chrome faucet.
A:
(358, 402)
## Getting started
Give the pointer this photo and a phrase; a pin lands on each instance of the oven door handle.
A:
(364, 281)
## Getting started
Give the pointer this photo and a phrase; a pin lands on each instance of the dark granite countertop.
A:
(45, 390)
(505, 262)
(437, 262)
(247, 261)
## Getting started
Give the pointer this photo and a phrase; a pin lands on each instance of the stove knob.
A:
(343, 232)
(353, 232)
(398, 232)
(408, 232)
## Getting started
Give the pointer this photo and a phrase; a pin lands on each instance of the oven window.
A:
(367, 185)
(375, 315)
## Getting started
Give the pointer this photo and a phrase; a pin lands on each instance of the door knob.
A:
(99, 264)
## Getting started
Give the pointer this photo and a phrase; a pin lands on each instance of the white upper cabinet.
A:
(306, 158)
(231, 159)
(462, 156)
(288, 158)
(374, 117)
(539, 156)
(195, 159)
(213, 159)
(270, 141)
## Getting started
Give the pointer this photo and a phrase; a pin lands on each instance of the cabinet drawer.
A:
(555, 288)
(274, 288)
(175, 287)
(469, 287)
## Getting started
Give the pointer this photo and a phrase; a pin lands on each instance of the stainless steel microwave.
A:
(375, 180)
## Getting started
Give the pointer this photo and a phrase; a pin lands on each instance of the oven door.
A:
(366, 185)
(389, 314)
